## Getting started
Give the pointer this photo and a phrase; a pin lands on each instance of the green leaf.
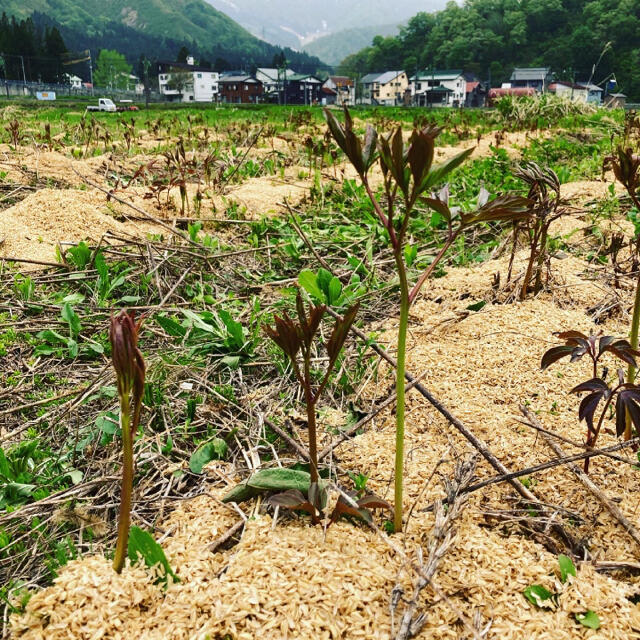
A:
(437, 175)
(280, 480)
(233, 328)
(73, 298)
(72, 319)
(142, 544)
(52, 337)
(476, 306)
(410, 254)
(240, 493)
(173, 328)
(536, 594)
(334, 291)
(215, 449)
(567, 568)
(309, 282)
(588, 619)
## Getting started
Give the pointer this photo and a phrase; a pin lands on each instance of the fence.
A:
(17, 89)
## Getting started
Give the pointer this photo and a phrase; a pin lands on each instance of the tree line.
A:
(491, 37)
(30, 52)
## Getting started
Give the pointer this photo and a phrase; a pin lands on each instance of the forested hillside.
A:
(157, 28)
(493, 36)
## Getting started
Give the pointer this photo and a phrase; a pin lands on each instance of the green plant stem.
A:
(124, 518)
(310, 401)
(400, 393)
(633, 339)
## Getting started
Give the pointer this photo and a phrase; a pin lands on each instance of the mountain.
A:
(160, 24)
(335, 47)
(294, 23)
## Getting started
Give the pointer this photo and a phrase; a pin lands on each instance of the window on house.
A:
(246, 87)
(199, 75)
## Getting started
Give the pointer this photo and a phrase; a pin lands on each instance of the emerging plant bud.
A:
(127, 358)
(130, 370)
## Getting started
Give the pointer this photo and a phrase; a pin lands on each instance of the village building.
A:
(241, 88)
(386, 88)
(338, 90)
(273, 81)
(439, 88)
(569, 90)
(538, 78)
(302, 88)
(187, 82)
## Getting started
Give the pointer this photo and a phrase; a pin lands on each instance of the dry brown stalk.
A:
(440, 541)
(612, 508)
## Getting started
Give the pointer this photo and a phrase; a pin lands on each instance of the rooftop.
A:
(437, 74)
(242, 78)
(381, 78)
(530, 73)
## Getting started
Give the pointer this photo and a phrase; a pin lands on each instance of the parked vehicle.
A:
(104, 104)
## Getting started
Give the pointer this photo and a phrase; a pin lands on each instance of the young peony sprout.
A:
(129, 365)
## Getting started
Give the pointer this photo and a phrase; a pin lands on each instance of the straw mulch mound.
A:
(33, 227)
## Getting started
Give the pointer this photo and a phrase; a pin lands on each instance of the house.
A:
(569, 90)
(475, 93)
(538, 78)
(384, 88)
(187, 82)
(338, 90)
(594, 95)
(273, 80)
(73, 81)
(302, 88)
(241, 88)
(615, 101)
(436, 88)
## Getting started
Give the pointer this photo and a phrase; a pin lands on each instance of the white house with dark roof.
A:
(384, 88)
(439, 88)
(187, 82)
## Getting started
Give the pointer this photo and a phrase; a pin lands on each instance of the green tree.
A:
(183, 54)
(112, 70)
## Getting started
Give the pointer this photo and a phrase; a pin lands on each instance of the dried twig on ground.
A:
(612, 508)
(440, 540)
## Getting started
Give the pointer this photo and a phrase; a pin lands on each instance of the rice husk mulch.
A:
(291, 580)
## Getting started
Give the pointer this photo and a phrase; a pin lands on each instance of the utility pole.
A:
(146, 63)
(24, 75)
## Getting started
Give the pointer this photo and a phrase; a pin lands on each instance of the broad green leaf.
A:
(73, 298)
(72, 319)
(215, 449)
(52, 337)
(279, 479)
(410, 254)
(567, 568)
(142, 544)
(173, 328)
(334, 290)
(324, 279)
(240, 493)
(537, 595)
(588, 619)
(72, 345)
(309, 282)
(233, 328)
